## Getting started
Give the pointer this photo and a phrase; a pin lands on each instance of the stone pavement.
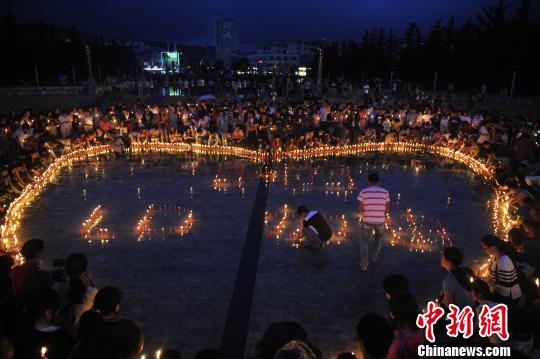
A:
(179, 289)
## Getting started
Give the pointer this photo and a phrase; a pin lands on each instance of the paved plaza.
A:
(185, 291)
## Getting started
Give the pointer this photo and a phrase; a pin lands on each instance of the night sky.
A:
(260, 21)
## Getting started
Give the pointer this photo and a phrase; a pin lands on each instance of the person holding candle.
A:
(374, 206)
(456, 286)
(42, 331)
(78, 294)
(503, 274)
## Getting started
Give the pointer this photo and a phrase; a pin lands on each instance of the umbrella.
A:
(207, 97)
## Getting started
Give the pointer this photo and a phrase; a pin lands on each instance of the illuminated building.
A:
(223, 36)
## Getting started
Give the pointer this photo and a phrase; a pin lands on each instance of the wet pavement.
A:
(179, 287)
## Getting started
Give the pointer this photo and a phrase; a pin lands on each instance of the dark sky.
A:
(260, 21)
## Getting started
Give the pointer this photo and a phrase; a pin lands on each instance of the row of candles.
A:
(104, 235)
(92, 221)
(418, 241)
(501, 219)
(143, 227)
(16, 209)
(284, 228)
(177, 147)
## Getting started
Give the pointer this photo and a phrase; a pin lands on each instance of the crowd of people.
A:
(62, 313)
(67, 313)
(30, 140)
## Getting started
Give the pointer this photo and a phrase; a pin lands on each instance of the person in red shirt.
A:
(32, 251)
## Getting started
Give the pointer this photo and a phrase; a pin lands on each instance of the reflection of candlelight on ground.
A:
(501, 218)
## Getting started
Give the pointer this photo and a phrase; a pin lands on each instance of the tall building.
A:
(280, 57)
(223, 36)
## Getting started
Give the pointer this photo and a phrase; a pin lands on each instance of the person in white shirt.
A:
(22, 134)
(444, 124)
(65, 121)
(483, 134)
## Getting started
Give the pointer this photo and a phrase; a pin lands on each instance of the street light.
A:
(319, 77)
(36, 75)
(514, 78)
(89, 63)
(287, 80)
(435, 78)
(91, 84)
(392, 69)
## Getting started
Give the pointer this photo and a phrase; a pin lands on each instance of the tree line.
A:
(486, 51)
(57, 55)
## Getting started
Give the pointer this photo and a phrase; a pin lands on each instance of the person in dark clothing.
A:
(374, 336)
(8, 307)
(316, 229)
(43, 333)
(395, 283)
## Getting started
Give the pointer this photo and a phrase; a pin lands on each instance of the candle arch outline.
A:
(8, 231)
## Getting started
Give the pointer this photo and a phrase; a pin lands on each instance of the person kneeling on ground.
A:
(316, 229)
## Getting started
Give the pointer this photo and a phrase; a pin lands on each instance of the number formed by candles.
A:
(183, 222)
(502, 219)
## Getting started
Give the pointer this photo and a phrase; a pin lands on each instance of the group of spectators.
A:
(65, 311)
(30, 140)
(62, 314)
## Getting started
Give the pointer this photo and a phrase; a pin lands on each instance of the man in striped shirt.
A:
(374, 205)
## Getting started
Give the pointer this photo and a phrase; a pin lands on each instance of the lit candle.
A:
(158, 354)
(43, 352)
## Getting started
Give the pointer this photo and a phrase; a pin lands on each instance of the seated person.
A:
(374, 336)
(42, 333)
